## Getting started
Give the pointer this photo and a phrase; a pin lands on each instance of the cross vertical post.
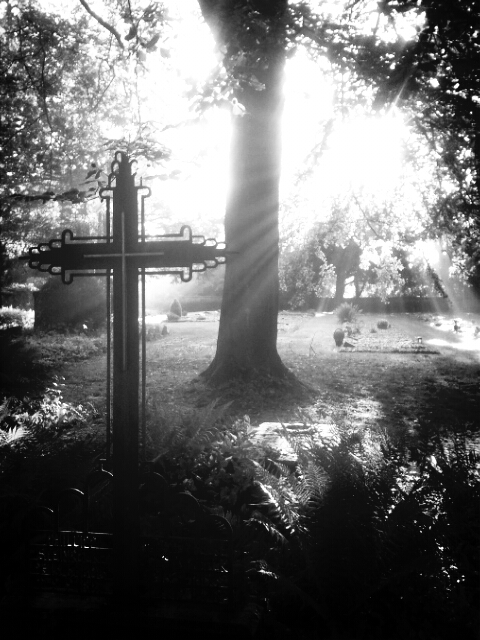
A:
(122, 254)
(125, 385)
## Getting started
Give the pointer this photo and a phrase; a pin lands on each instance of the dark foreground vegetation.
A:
(368, 535)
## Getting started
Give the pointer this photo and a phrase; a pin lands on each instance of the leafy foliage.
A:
(304, 276)
(347, 312)
(383, 537)
(360, 244)
(49, 412)
(197, 451)
(81, 303)
(32, 433)
(215, 459)
(359, 520)
(50, 350)
(12, 317)
(437, 72)
(41, 453)
(64, 81)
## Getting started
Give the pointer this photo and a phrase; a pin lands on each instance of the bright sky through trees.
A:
(363, 153)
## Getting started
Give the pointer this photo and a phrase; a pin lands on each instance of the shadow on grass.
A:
(434, 405)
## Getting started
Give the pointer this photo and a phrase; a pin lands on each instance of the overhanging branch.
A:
(102, 22)
(367, 220)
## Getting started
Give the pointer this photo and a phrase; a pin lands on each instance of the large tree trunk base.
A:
(224, 370)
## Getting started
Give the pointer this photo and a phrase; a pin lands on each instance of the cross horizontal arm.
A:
(107, 255)
(175, 252)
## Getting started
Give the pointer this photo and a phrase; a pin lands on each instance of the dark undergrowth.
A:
(369, 535)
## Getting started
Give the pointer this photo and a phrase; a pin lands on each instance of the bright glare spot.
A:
(193, 45)
(404, 26)
(199, 195)
(364, 154)
(430, 251)
(463, 345)
(407, 25)
(308, 104)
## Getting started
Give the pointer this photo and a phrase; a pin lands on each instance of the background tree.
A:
(43, 113)
(63, 84)
(436, 77)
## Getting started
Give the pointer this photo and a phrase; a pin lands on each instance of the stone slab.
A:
(272, 435)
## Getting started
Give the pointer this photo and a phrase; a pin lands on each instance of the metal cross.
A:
(180, 254)
(125, 252)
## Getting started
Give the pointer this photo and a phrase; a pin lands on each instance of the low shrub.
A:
(41, 453)
(176, 308)
(173, 317)
(54, 349)
(13, 317)
(32, 432)
(352, 330)
(405, 534)
(347, 312)
(82, 303)
(212, 456)
(153, 332)
(383, 324)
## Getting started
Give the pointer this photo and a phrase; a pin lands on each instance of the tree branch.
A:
(104, 24)
(367, 220)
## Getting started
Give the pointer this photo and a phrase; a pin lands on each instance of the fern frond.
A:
(5, 409)
(261, 524)
(13, 434)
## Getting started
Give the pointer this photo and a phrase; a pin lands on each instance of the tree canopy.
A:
(436, 78)
(76, 87)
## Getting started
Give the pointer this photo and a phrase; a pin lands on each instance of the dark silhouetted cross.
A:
(124, 252)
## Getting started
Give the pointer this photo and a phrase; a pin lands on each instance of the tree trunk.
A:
(247, 334)
(341, 276)
(346, 261)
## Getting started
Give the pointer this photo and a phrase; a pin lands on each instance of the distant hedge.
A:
(70, 306)
(406, 304)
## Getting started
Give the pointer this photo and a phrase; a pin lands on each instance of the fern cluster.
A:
(20, 418)
(214, 458)
(389, 532)
(356, 528)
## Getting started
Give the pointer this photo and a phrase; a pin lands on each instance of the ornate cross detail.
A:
(181, 253)
(124, 252)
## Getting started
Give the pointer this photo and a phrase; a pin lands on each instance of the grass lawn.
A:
(386, 381)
